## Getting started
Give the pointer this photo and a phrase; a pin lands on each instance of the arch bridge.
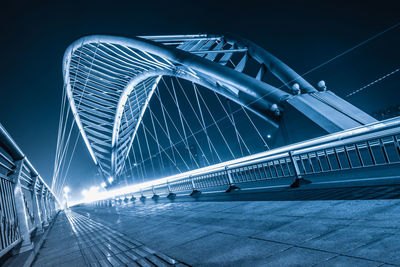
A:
(110, 80)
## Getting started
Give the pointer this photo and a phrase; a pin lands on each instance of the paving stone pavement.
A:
(77, 240)
(262, 233)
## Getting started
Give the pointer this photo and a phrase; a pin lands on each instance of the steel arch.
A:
(104, 75)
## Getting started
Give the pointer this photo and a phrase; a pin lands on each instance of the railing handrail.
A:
(27, 203)
(350, 136)
(339, 136)
(15, 151)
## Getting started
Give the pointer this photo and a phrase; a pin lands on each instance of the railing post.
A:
(142, 197)
(193, 185)
(232, 186)
(53, 205)
(49, 203)
(36, 205)
(298, 180)
(155, 196)
(169, 187)
(195, 192)
(43, 204)
(171, 195)
(49, 213)
(22, 213)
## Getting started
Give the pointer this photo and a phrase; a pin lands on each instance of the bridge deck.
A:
(359, 232)
(258, 233)
(76, 240)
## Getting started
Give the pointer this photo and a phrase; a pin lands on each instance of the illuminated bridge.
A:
(210, 151)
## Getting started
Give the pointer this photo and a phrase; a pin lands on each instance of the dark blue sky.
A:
(303, 34)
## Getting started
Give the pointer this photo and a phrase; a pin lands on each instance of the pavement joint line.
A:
(328, 259)
(320, 250)
(186, 242)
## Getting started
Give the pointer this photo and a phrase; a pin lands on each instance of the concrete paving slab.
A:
(226, 250)
(346, 239)
(299, 231)
(296, 256)
(344, 261)
(335, 232)
(386, 249)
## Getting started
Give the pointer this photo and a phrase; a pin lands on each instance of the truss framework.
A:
(110, 81)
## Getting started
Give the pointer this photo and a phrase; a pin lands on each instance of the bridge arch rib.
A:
(110, 80)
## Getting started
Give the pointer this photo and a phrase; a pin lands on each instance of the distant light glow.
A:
(91, 194)
(269, 136)
(316, 143)
(110, 179)
(67, 190)
(103, 184)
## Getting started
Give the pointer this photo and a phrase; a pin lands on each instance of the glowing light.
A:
(110, 179)
(103, 184)
(269, 136)
(314, 144)
(67, 190)
(91, 194)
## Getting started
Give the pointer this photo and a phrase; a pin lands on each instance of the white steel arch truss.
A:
(110, 81)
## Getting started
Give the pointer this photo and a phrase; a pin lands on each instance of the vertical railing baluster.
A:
(371, 154)
(328, 160)
(35, 204)
(359, 155)
(385, 155)
(337, 159)
(3, 213)
(348, 157)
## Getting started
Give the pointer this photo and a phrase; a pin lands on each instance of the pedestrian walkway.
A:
(76, 240)
(262, 233)
(61, 247)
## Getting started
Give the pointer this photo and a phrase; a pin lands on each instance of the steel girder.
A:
(110, 81)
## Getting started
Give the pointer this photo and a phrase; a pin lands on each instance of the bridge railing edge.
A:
(27, 203)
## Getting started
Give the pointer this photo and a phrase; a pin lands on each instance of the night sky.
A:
(302, 34)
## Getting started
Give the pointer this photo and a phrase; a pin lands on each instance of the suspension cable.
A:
(374, 82)
(215, 122)
(258, 132)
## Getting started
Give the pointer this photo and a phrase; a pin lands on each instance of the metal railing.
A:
(27, 204)
(363, 148)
